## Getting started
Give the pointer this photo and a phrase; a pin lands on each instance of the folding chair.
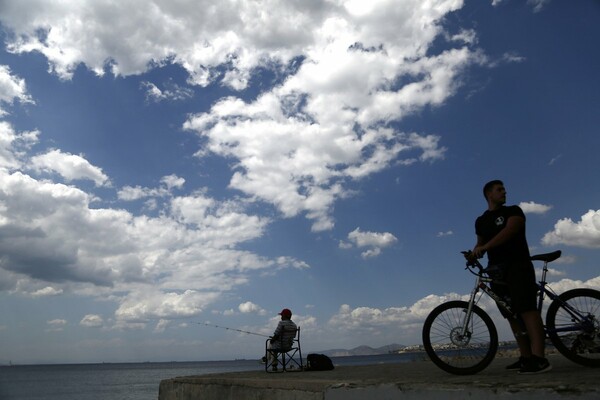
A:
(281, 357)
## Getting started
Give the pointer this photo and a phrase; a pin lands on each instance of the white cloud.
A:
(168, 183)
(164, 267)
(538, 5)
(534, 208)
(376, 241)
(584, 233)
(443, 234)
(512, 58)
(47, 291)
(92, 321)
(250, 308)
(56, 325)
(369, 322)
(198, 36)
(171, 91)
(151, 305)
(13, 145)
(350, 70)
(172, 181)
(299, 145)
(555, 159)
(12, 88)
(71, 167)
(344, 245)
(371, 239)
(162, 325)
(402, 324)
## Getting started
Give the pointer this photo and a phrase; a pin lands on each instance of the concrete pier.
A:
(410, 381)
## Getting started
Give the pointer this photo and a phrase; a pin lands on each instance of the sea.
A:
(133, 381)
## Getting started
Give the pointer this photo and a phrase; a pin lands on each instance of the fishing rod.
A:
(231, 329)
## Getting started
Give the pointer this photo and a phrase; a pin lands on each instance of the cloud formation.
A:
(584, 233)
(349, 72)
(173, 265)
(374, 241)
(71, 167)
(534, 208)
(12, 89)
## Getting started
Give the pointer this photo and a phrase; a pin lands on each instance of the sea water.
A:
(135, 381)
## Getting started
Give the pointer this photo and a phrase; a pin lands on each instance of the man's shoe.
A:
(517, 365)
(535, 365)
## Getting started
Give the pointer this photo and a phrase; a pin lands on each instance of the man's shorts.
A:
(519, 287)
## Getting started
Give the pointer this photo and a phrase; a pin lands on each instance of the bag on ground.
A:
(318, 362)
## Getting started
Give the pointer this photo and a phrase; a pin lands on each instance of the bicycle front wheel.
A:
(573, 325)
(454, 349)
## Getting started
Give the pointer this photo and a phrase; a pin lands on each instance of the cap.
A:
(286, 312)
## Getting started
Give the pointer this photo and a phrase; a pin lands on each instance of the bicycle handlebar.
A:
(472, 261)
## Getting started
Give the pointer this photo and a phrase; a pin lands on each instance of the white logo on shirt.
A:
(499, 221)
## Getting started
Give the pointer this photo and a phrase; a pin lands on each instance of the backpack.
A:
(318, 362)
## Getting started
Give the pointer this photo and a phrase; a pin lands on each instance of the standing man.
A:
(501, 233)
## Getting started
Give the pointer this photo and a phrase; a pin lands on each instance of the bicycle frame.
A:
(482, 284)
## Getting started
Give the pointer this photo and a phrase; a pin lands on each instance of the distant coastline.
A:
(504, 348)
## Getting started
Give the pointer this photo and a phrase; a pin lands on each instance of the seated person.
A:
(283, 337)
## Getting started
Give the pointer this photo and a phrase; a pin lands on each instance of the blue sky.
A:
(169, 164)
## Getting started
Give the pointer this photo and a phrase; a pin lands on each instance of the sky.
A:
(169, 169)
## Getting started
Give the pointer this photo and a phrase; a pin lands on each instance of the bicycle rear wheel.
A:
(581, 312)
(452, 351)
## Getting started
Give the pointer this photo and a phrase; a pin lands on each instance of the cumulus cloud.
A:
(56, 325)
(369, 322)
(197, 36)
(584, 233)
(534, 208)
(349, 72)
(13, 145)
(153, 305)
(301, 144)
(183, 258)
(250, 308)
(70, 166)
(92, 321)
(373, 240)
(398, 323)
(12, 89)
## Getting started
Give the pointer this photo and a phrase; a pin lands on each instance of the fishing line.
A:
(231, 329)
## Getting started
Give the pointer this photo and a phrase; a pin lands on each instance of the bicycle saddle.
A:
(547, 257)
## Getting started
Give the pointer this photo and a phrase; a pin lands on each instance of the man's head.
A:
(286, 313)
(494, 193)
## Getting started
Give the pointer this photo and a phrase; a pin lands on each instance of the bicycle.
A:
(461, 338)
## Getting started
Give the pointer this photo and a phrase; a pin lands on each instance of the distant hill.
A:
(363, 351)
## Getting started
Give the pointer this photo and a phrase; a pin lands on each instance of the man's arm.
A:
(277, 332)
(513, 226)
(477, 252)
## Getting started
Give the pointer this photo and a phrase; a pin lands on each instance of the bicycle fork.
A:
(465, 333)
